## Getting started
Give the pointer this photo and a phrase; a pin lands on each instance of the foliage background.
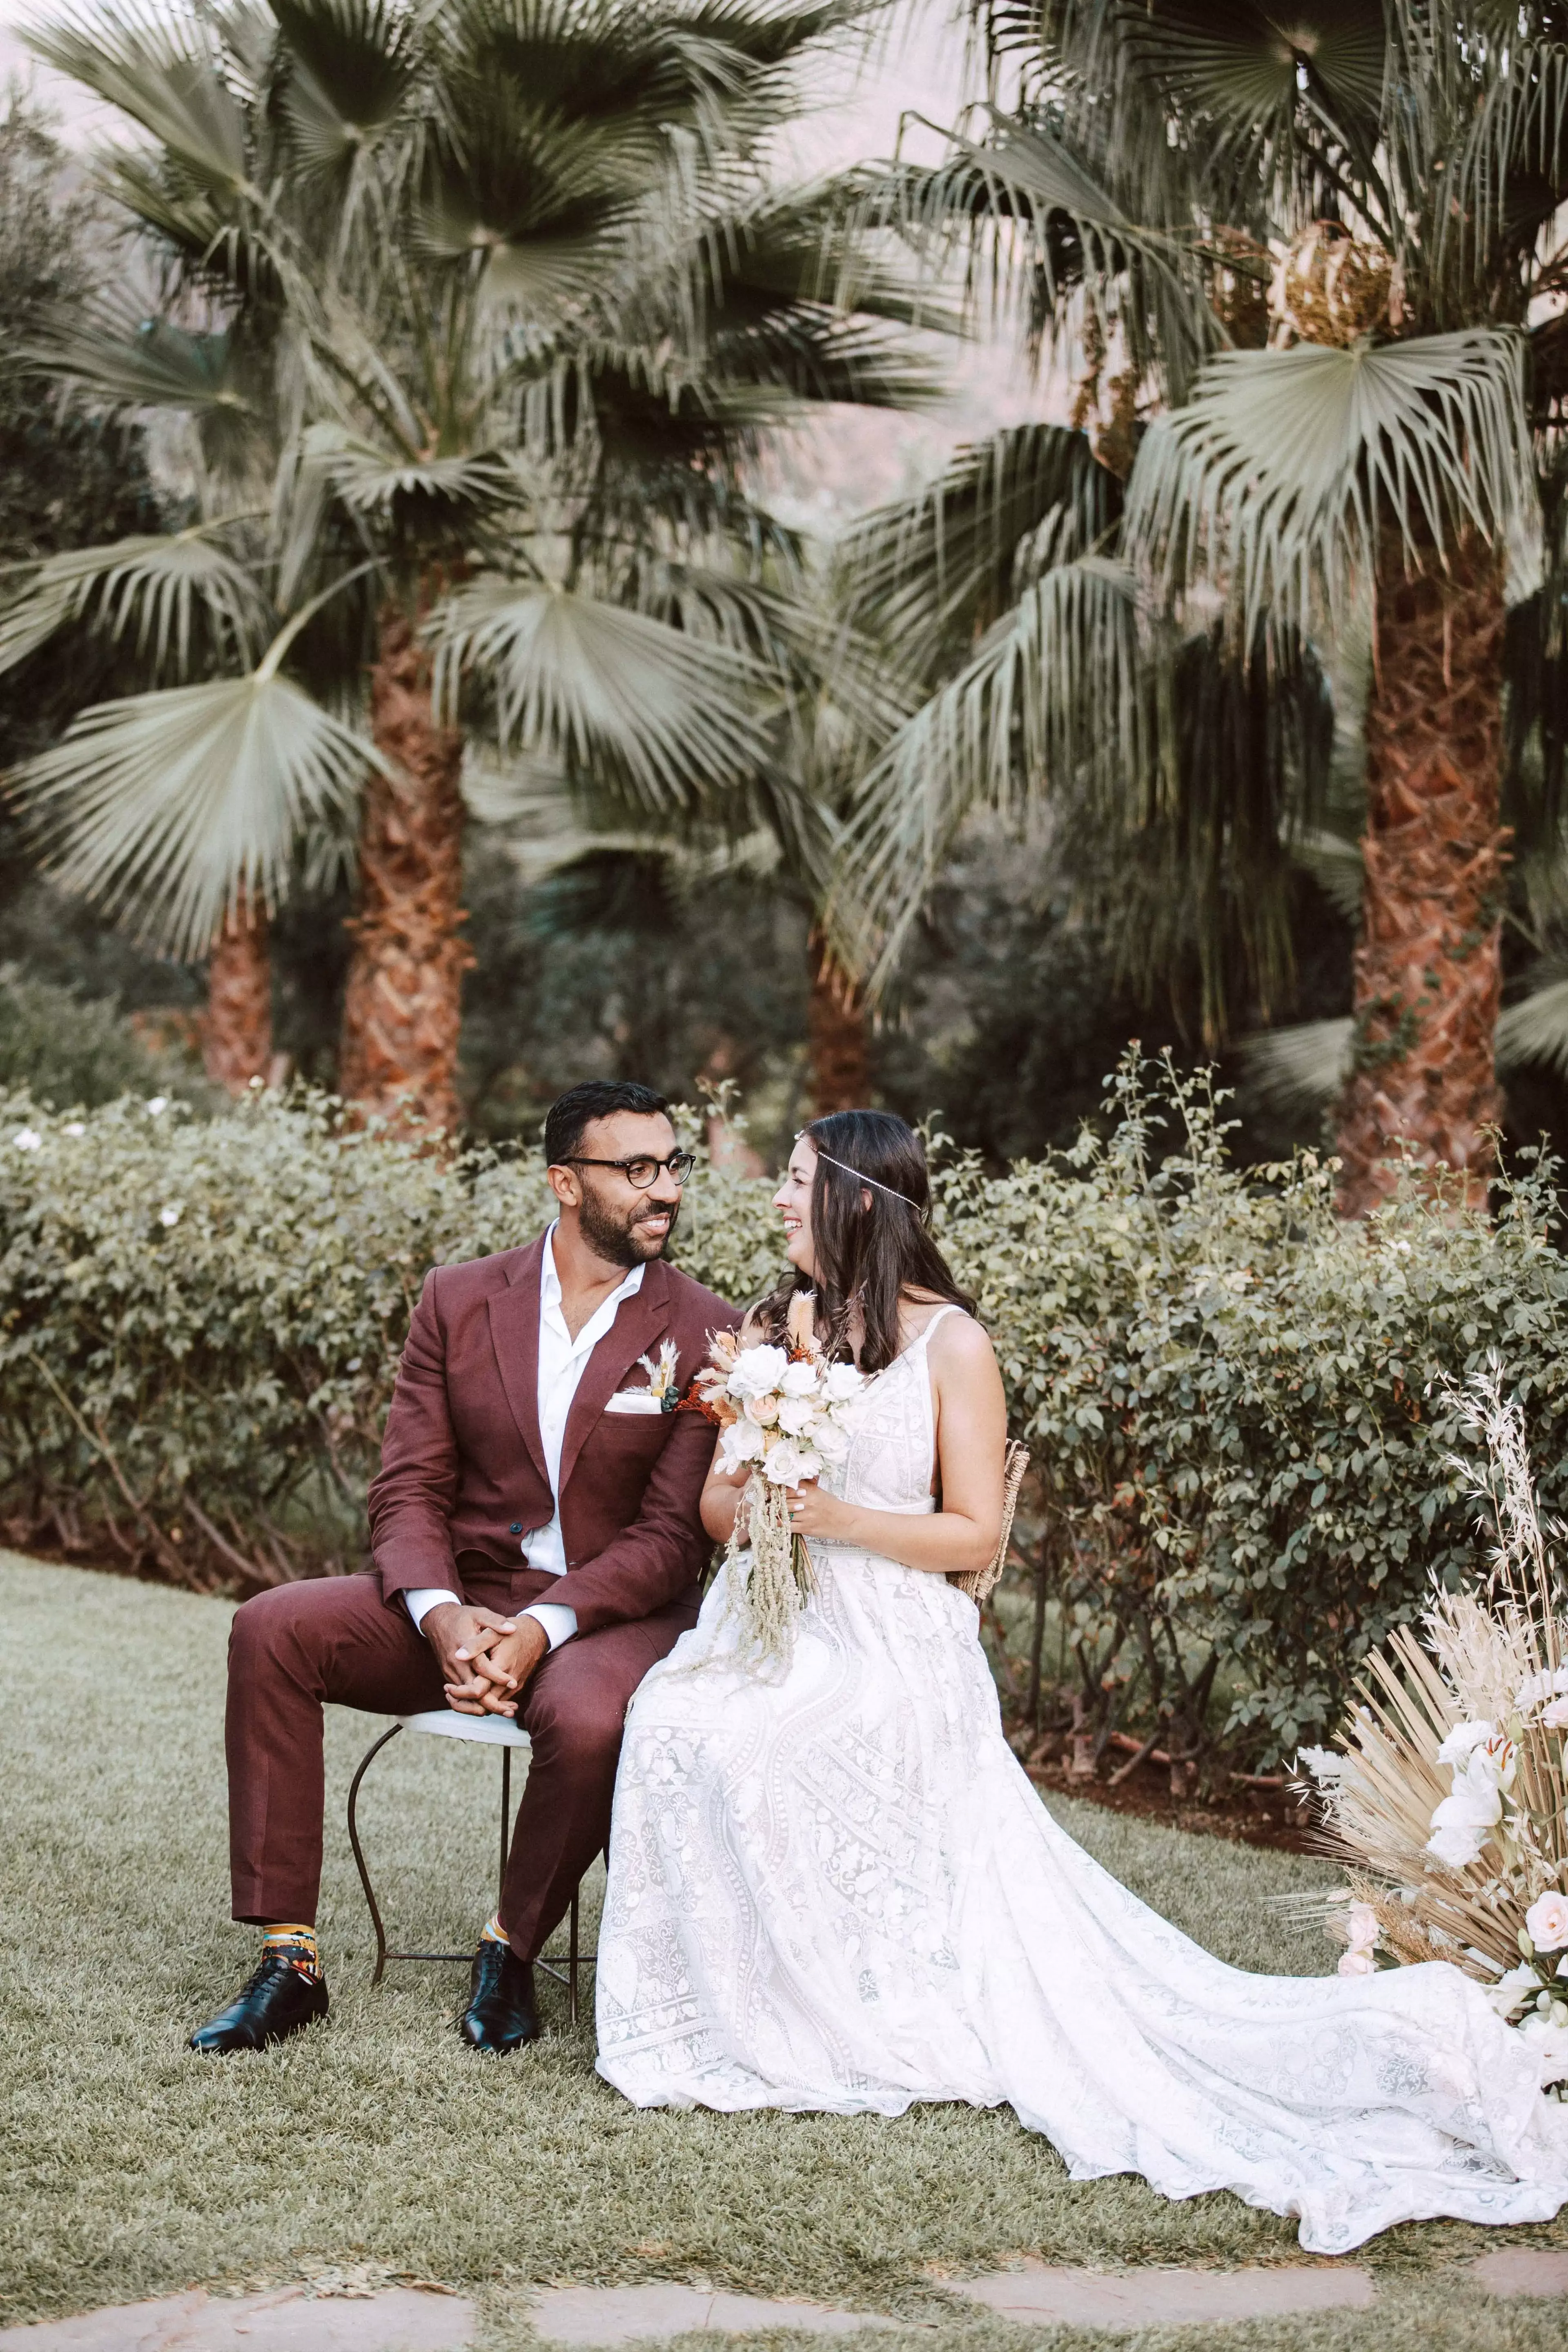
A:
(1242, 1477)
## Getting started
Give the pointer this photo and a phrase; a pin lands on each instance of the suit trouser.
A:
(335, 1640)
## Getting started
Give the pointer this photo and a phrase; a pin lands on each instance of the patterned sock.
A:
(295, 1944)
(492, 1932)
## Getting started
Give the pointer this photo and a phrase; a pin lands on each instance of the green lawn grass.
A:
(134, 2169)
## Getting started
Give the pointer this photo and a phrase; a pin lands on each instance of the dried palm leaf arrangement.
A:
(1448, 1795)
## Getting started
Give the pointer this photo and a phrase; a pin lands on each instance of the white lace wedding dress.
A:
(838, 1891)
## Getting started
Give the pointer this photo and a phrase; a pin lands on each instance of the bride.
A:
(835, 1889)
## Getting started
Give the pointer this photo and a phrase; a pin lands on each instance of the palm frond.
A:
(1287, 468)
(1336, 866)
(152, 590)
(1056, 691)
(1536, 1028)
(1298, 1068)
(166, 72)
(663, 719)
(928, 571)
(167, 808)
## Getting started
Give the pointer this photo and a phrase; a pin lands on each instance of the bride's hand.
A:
(814, 1512)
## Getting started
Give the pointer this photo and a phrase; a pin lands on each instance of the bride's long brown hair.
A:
(868, 1255)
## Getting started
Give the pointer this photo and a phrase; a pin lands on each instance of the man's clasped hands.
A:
(484, 1659)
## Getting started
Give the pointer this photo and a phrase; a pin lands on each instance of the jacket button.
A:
(516, 1526)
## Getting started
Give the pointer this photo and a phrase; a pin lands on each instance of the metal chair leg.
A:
(572, 1963)
(365, 1763)
(505, 1813)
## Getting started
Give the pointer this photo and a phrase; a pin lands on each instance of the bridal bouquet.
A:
(1449, 1792)
(782, 1412)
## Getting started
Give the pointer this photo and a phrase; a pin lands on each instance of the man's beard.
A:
(615, 1240)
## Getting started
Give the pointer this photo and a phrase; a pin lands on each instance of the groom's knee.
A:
(576, 1717)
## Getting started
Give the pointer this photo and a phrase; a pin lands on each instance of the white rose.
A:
(762, 1409)
(785, 1464)
(1362, 1930)
(830, 1441)
(1546, 1684)
(843, 1383)
(27, 1139)
(1456, 1847)
(799, 1379)
(741, 1443)
(1461, 1740)
(1555, 1716)
(798, 1416)
(1511, 1991)
(1357, 1963)
(1546, 1921)
(757, 1372)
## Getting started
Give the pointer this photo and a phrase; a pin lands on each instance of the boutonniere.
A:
(661, 1381)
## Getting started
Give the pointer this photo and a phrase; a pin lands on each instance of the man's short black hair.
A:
(573, 1113)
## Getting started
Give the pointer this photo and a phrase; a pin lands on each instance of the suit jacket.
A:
(462, 1463)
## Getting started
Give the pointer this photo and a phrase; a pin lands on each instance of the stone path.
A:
(412, 2319)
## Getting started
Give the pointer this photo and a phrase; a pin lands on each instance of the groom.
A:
(537, 1550)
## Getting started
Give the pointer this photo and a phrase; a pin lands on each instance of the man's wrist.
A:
(421, 1599)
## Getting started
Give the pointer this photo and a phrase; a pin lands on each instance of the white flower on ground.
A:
(843, 1383)
(1546, 1921)
(171, 1214)
(73, 1127)
(1361, 1929)
(786, 1463)
(157, 1105)
(757, 1372)
(27, 1139)
(1464, 1737)
(1358, 1962)
(1512, 1990)
(799, 1379)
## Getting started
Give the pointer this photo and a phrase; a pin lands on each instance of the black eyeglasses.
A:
(641, 1173)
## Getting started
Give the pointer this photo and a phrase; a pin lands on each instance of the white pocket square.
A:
(635, 1401)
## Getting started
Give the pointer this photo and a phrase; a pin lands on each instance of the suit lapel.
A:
(634, 1331)
(514, 1334)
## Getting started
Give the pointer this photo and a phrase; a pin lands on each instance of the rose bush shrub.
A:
(1241, 1482)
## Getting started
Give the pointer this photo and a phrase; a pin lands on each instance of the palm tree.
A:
(502, 295)
(1312, 247)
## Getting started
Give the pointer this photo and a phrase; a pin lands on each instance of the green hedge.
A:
(1243, 1481)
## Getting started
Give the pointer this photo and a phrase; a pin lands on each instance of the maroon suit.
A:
(463, 1484)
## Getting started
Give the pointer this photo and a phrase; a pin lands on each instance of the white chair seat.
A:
(494, 1730)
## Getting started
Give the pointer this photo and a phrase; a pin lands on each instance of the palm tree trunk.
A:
(1429, 971)
(836, 1035)
(236, 1027)
(403, 1004)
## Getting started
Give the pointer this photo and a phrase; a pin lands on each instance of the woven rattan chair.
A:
(980, 1582)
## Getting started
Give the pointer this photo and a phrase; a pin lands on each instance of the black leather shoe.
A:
(501, 2014)
(274, 2004)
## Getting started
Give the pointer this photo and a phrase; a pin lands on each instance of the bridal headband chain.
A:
(861, 1177)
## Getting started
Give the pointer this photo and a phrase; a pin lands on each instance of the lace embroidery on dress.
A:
(838, 1891)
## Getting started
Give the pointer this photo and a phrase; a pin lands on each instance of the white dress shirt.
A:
(562, 1361)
